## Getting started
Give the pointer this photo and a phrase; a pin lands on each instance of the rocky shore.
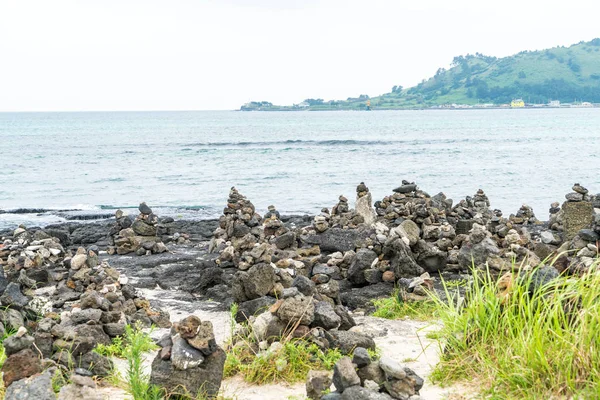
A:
(66, 288)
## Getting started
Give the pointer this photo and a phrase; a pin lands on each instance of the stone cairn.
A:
(239, 234)
(413, 236)
(363, 206)
(63, 305)
(360, 377)
(139, 237)
(189, 361)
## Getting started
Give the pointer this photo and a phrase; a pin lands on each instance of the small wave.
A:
(347, 142)
(104, 180)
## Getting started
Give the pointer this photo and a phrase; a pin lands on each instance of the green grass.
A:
(7, 333)
(395, 307)
(523, 345)
(119, 345)
(288, 363)
(137, 343)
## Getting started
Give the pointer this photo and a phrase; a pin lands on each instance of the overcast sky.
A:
(199, 55)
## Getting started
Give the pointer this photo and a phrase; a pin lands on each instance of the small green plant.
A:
(7, 333)
(58, 381)
(115, 349)
(137, 343)
(289, 362)
(524, 343)
(374, 354)
(396, 307)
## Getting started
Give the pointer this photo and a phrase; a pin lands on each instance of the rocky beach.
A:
(68, 287)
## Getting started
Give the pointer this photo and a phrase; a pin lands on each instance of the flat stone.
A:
(184, 356)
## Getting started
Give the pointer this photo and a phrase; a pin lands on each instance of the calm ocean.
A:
(183, 163)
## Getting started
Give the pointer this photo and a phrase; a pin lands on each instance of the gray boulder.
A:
(38, 387)
(325, 316)
(204, 379)
(344, 375)
(476, 254)
(13, 297)
(402, 260)
(298, 308)
(347, 341)
(363, 260)
(335, 239)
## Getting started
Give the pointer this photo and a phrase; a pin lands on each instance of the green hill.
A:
(568, 74)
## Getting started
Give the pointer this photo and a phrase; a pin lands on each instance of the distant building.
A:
(517, 103)
(554, 103)
(304, 105)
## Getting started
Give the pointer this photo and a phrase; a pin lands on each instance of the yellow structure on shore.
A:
(517, 103)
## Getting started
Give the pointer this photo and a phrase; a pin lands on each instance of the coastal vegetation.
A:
(523, 338)
(564, 74)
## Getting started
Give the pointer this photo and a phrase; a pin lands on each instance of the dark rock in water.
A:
(362, 297)
(144, 209)
(588, 235)
(89, 233)
(62, 235)
(335, 239)
(253, 307)
(347, 341)
(38, 387)
(204, 379)
(406, 188)
(12, 297)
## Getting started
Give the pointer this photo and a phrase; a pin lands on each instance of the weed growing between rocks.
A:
(528, 335)
(397, 306)
(286, 359)
(5, 335)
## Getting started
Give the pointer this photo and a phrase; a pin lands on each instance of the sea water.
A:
(184, 163)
